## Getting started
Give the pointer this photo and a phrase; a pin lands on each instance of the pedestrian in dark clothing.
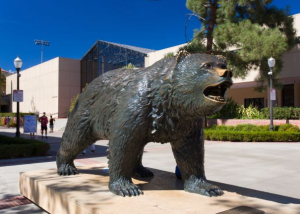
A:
(51, 124)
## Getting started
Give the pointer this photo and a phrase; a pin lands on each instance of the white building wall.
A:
(158, 55)
(41, 86)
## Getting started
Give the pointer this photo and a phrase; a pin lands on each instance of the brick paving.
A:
(13, 202)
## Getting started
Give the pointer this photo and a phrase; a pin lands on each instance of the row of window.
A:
(287, 98)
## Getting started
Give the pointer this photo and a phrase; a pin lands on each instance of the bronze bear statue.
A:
(163, 103)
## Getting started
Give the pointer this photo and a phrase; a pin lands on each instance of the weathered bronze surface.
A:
(162, 103)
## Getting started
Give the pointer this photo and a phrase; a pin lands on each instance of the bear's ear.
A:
(223, 58)
(181, 55)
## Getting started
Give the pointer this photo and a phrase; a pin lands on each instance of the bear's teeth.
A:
(218, 98)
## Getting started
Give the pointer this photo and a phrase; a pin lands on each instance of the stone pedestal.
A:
(88, 193)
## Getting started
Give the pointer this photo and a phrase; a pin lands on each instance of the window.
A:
(288, 95)
(255, 102)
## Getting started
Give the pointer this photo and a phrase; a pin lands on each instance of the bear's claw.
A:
(67, 169)
(124, 188)
(201, 186)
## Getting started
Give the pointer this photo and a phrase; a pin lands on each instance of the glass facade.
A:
(106, 56)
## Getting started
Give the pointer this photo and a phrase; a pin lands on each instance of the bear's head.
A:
(199, 84)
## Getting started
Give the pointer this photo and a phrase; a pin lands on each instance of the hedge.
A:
(11, 147)
(15, 114)
(252, 136)
(250, 127)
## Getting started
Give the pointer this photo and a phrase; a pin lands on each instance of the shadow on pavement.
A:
(164, 180)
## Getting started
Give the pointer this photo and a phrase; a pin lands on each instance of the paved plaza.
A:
(268, 171)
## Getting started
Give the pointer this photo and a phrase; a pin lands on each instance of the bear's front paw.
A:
(201, 186)
(143, 172)
(124, 187)
(67, 169)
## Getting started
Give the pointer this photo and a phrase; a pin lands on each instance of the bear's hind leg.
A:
(142, 171)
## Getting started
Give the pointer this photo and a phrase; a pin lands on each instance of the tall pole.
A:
(42, 54)
(43, 43)
(0, 88)
(18, 107)
(271, 101)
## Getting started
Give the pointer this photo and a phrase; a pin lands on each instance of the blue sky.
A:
(73, 26)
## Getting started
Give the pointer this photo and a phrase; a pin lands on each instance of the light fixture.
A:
(43, 43)
(18, 63)
(271, 63)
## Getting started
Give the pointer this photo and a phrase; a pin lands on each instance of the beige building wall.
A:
(240, 94)
(155, 56)
(43, 85)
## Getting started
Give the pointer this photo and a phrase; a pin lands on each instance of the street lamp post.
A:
(18, 64)
(271, 63)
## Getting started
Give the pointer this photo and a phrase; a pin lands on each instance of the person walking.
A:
(51, 124)
(8, 122)
(5, 121)
(44, 121)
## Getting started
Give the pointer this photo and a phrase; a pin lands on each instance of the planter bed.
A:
(11, 147)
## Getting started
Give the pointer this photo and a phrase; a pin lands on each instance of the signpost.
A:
(30, 124)
(18, 96)
(272, 94)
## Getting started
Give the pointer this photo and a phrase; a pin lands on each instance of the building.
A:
(4, 99)
(104, 56)
(47, 87)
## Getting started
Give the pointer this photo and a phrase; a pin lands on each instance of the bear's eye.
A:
(223, 66)
(207, 66)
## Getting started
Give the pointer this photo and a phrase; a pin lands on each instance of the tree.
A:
(2, 85)
(246, 32)
(74, 100)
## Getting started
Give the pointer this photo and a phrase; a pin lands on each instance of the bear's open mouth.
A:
(217, 92)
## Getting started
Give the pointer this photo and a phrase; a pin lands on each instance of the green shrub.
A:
(221, 127)
(251, 127)
(282, 113)
(169, 55)
(253, 136)
(229, 110)
(11, 147)
(246, 127)
(249, 113)
(15, 114)
(129, 66)
(288, 127)
(263, 128)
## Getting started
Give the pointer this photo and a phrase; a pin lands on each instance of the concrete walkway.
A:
(268, 171)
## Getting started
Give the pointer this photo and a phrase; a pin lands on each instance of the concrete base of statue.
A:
(88, 192)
